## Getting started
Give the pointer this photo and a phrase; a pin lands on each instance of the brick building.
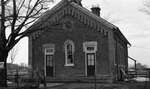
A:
(71, 43)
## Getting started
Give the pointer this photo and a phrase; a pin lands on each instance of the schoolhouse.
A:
(72, 43)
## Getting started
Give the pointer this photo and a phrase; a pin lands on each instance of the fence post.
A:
(16, 79)
(149, 79)
(95, 81)
(43, 73)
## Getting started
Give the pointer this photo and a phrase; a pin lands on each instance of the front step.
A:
(98, 80)
(80, 79)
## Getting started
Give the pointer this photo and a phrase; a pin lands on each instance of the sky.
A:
(131, 16)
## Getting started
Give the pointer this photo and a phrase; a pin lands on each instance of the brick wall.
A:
(79, 33)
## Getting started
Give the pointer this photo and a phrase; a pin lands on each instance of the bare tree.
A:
(15, 15)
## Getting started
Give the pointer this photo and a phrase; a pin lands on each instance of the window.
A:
(69, 53)
(49, 52)
(91, 59)
(49, 60)
(90, 47)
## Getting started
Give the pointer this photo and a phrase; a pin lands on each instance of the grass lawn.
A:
(118, 85)
(122, 85)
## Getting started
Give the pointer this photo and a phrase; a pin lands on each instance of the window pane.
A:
(49, 60)
(90, 48)
(70, 59)
(49, 50)
(92, 62)
(69, 47)
(91, 59)
(69, 54)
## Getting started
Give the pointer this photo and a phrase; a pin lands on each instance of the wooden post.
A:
(95, 81)
(148, 76)
(134, 66)
(16, 79)
(135, 69)
(44, 78)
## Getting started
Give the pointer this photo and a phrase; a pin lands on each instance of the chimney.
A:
(96, 10)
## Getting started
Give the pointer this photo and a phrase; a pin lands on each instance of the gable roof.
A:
(86, 11)
(75, 5)
(77, 11)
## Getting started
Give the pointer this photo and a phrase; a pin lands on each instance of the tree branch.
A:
(26, 18)
(14, 16)
(31, 21)
(14, 42)
(18, 20)
(21, 5)
(28, 7)
(2, 29)
(6, 1)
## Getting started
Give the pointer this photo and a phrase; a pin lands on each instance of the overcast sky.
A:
(131, 16)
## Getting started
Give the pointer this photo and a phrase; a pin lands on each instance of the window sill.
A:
(69, 65)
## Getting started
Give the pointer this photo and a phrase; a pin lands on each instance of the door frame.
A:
(86, 50)
(50, 53)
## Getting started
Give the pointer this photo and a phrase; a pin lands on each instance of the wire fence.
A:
(22, 81)
(142, 76)
(19, 80)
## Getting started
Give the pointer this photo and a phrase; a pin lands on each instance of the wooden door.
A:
(49, 66)
(90, 64)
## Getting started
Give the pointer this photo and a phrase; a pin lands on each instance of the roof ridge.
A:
(100, 19)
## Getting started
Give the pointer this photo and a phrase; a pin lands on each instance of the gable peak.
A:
(75, 1)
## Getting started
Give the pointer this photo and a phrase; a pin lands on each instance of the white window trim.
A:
(49, 53)
(73, 50)
(89, 44)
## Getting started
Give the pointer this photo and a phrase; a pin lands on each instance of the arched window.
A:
(69, 53)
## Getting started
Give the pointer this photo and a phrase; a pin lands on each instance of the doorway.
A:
(90, 57)
(49, 66)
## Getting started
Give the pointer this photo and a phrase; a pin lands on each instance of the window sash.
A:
(69, 59)
(69, 53)
(91, 59)
(49, 60)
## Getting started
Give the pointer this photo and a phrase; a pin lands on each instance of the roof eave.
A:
(50, 11)
(121, 35)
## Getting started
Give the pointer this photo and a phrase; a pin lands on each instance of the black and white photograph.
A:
(74, 44)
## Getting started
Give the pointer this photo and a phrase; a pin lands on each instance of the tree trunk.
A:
(3, 71)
